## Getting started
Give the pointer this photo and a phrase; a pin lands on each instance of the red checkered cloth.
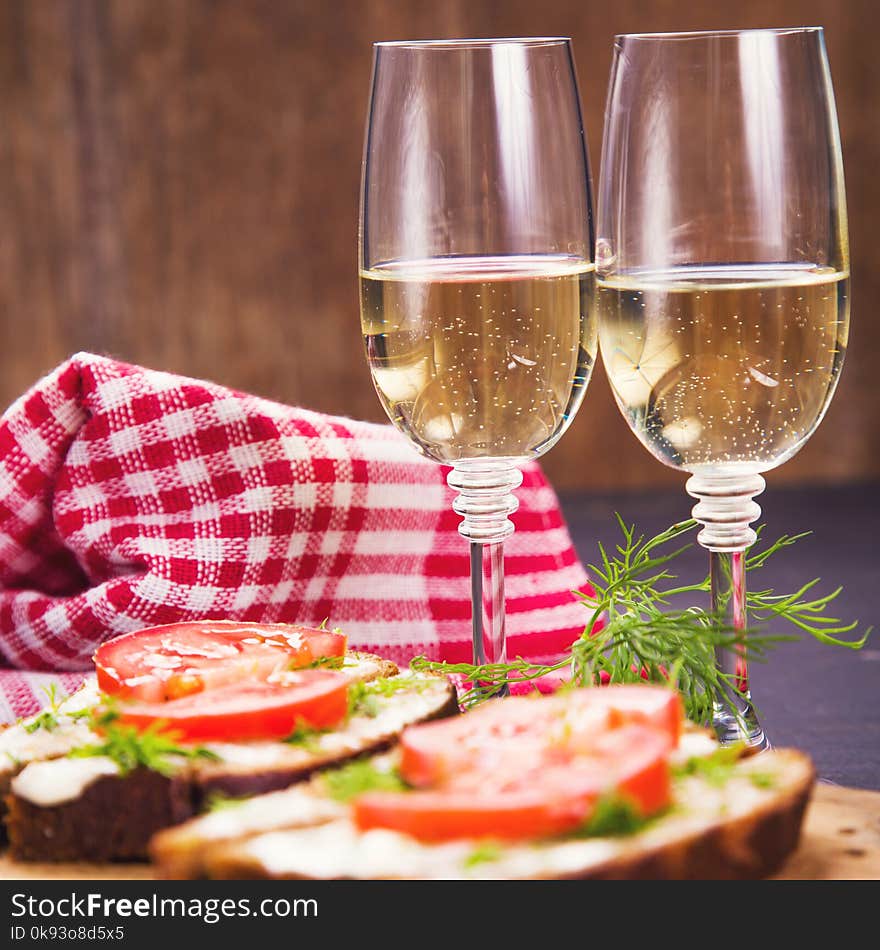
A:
(130, 497)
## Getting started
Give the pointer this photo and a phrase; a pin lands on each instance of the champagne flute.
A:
(477, 271)
(723, 276)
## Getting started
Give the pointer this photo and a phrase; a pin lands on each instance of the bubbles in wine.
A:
(714, 365)
(480, 357)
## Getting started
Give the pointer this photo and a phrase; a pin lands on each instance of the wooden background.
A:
(179, 187)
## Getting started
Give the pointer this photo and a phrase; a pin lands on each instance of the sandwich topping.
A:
(526, 768)
(168, 662)
(216, 680)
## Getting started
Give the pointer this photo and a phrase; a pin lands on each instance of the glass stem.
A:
(726, 510)
(484, 502)
(487, 590)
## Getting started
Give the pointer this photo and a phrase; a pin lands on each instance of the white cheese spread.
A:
(57, 781)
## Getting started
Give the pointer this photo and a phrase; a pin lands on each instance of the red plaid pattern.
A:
(130, 497)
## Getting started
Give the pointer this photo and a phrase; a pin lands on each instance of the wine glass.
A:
(723, 276)
(477, 271)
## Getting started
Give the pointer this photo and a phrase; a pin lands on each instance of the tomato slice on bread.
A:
(251, 709)
(519, 728)
(176, 660)
(447, 815)
(525, 767)
(545, 798)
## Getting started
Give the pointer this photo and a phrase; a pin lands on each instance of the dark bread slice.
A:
(744, 829)
(24, 742)
(113, 819)
(108, 816)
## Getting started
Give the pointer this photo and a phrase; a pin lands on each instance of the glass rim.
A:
(474, 43)
(700, 34)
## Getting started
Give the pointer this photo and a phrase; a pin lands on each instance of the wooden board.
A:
(841, 840)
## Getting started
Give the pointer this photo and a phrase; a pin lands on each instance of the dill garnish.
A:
(305, 736)
(483, 854)
(45, 720)
(217, 801)
(720, 767)
(130, 748)
(762, 779)
(364, 699)
(358, 777)
(634, 634)
(323, 663)
(48, 718)
(613, 816)
(715, 769)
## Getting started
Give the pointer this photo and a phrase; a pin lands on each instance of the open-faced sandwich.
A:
(588, 783)
(181, 716)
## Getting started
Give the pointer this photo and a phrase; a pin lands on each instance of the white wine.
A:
(721, 365)
(480, 358)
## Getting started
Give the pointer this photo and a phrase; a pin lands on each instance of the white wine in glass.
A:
(740, 367)
(723, 277)
(480, 357)
(477, 271)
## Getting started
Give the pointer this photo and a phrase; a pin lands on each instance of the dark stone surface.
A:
(822, 699)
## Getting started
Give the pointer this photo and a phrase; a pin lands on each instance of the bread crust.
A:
(750, 844)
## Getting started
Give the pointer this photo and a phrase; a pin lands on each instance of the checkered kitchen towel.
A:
(130, 497)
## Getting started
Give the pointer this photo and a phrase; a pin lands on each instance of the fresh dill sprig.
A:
(613, 816)
(323, 626)
(323, 663)
(483, 853)
(358, 777)
(719, 768)
(762, 779)
(305, 736)
(48, 718)
(45, 720)
(51, 694)
(633, 633)
(218, 801)
(488, 679)
(715, 769)
(130, 748)
(105, 714)
(365, 698)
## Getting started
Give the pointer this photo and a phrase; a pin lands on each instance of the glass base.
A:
(726, 510)
(485, 499)
(742, 727)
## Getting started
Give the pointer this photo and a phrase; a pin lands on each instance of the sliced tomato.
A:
(498, 734)
(656, 706)
(253, 709)
(545, 799)
(636, 758)
(323, 644)
(519, 728)
(175, 660)
(444, 816)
